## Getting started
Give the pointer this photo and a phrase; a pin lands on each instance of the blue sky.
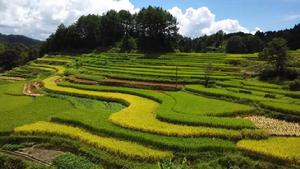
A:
(40, 18)
(265, 14)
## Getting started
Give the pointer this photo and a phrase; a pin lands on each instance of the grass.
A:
(69, 160)
(282, 148)
(199, 105)
(126, 148)
(8, 100)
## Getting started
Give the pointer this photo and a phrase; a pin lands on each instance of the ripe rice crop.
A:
(282, 148)
(197, 115)
(140, 114)
(126, 148)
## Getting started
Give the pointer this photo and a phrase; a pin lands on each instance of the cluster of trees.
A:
(152, 29)
(221, 42)
(239, 42)
(16, 54)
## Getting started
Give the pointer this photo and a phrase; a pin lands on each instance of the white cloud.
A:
(201, 21)
(39, 18)
(255, 30)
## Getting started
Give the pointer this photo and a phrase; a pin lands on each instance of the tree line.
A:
(153, 29)
(16, 54)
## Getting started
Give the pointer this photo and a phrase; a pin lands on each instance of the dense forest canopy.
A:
(154, 29)
(16, 50)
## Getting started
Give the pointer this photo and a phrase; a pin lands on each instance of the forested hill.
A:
(17, 50)
(19, 39)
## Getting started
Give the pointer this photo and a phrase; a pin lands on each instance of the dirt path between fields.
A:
(120, 82)
(275, 126)
(11, 78)
(142, 83)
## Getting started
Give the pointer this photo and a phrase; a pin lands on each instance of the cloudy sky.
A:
(39, 18)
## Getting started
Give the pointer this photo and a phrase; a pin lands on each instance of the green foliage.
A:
(16, 55)
(128, 44)
(295, 85)
(71, 161)
(14, 147)
(235, 45)
(103, 32)
(173, 165)
(154, 38)
(244, 44)
(235, 161)
(276, 54)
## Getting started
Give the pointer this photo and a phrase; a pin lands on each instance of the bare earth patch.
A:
(44, 155)
(31, 89)
(276, 127)
(12, 78)
(119, 82)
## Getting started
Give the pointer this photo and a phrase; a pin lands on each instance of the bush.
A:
(11, 163)
(172, 165)
(14, 147)
(295, 85)
(235, 162)
(71, 161)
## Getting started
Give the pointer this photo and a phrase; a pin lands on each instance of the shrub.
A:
(71, 161)
(13, 147)
(7, 162)
(173, 165)
(295, 85)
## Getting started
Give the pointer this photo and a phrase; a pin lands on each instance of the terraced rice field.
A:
(138, 124)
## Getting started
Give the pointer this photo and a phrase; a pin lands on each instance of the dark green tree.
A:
(253, 44)
(235, 44)
(276, 54)
(111, 28)
(127, 21)
(128, 44)
(157, 30)
(87, 27)
(14, 55)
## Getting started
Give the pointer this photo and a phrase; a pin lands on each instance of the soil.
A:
(44, 155)
(83, 81)
(12, 78)
(31, 89)
(142, 83)
(119, 82)
(275, 126)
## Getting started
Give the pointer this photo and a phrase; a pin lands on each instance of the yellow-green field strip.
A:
(140, 114)
(282, 148)
(126, 148)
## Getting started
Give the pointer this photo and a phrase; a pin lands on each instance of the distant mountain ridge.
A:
(19, 39)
